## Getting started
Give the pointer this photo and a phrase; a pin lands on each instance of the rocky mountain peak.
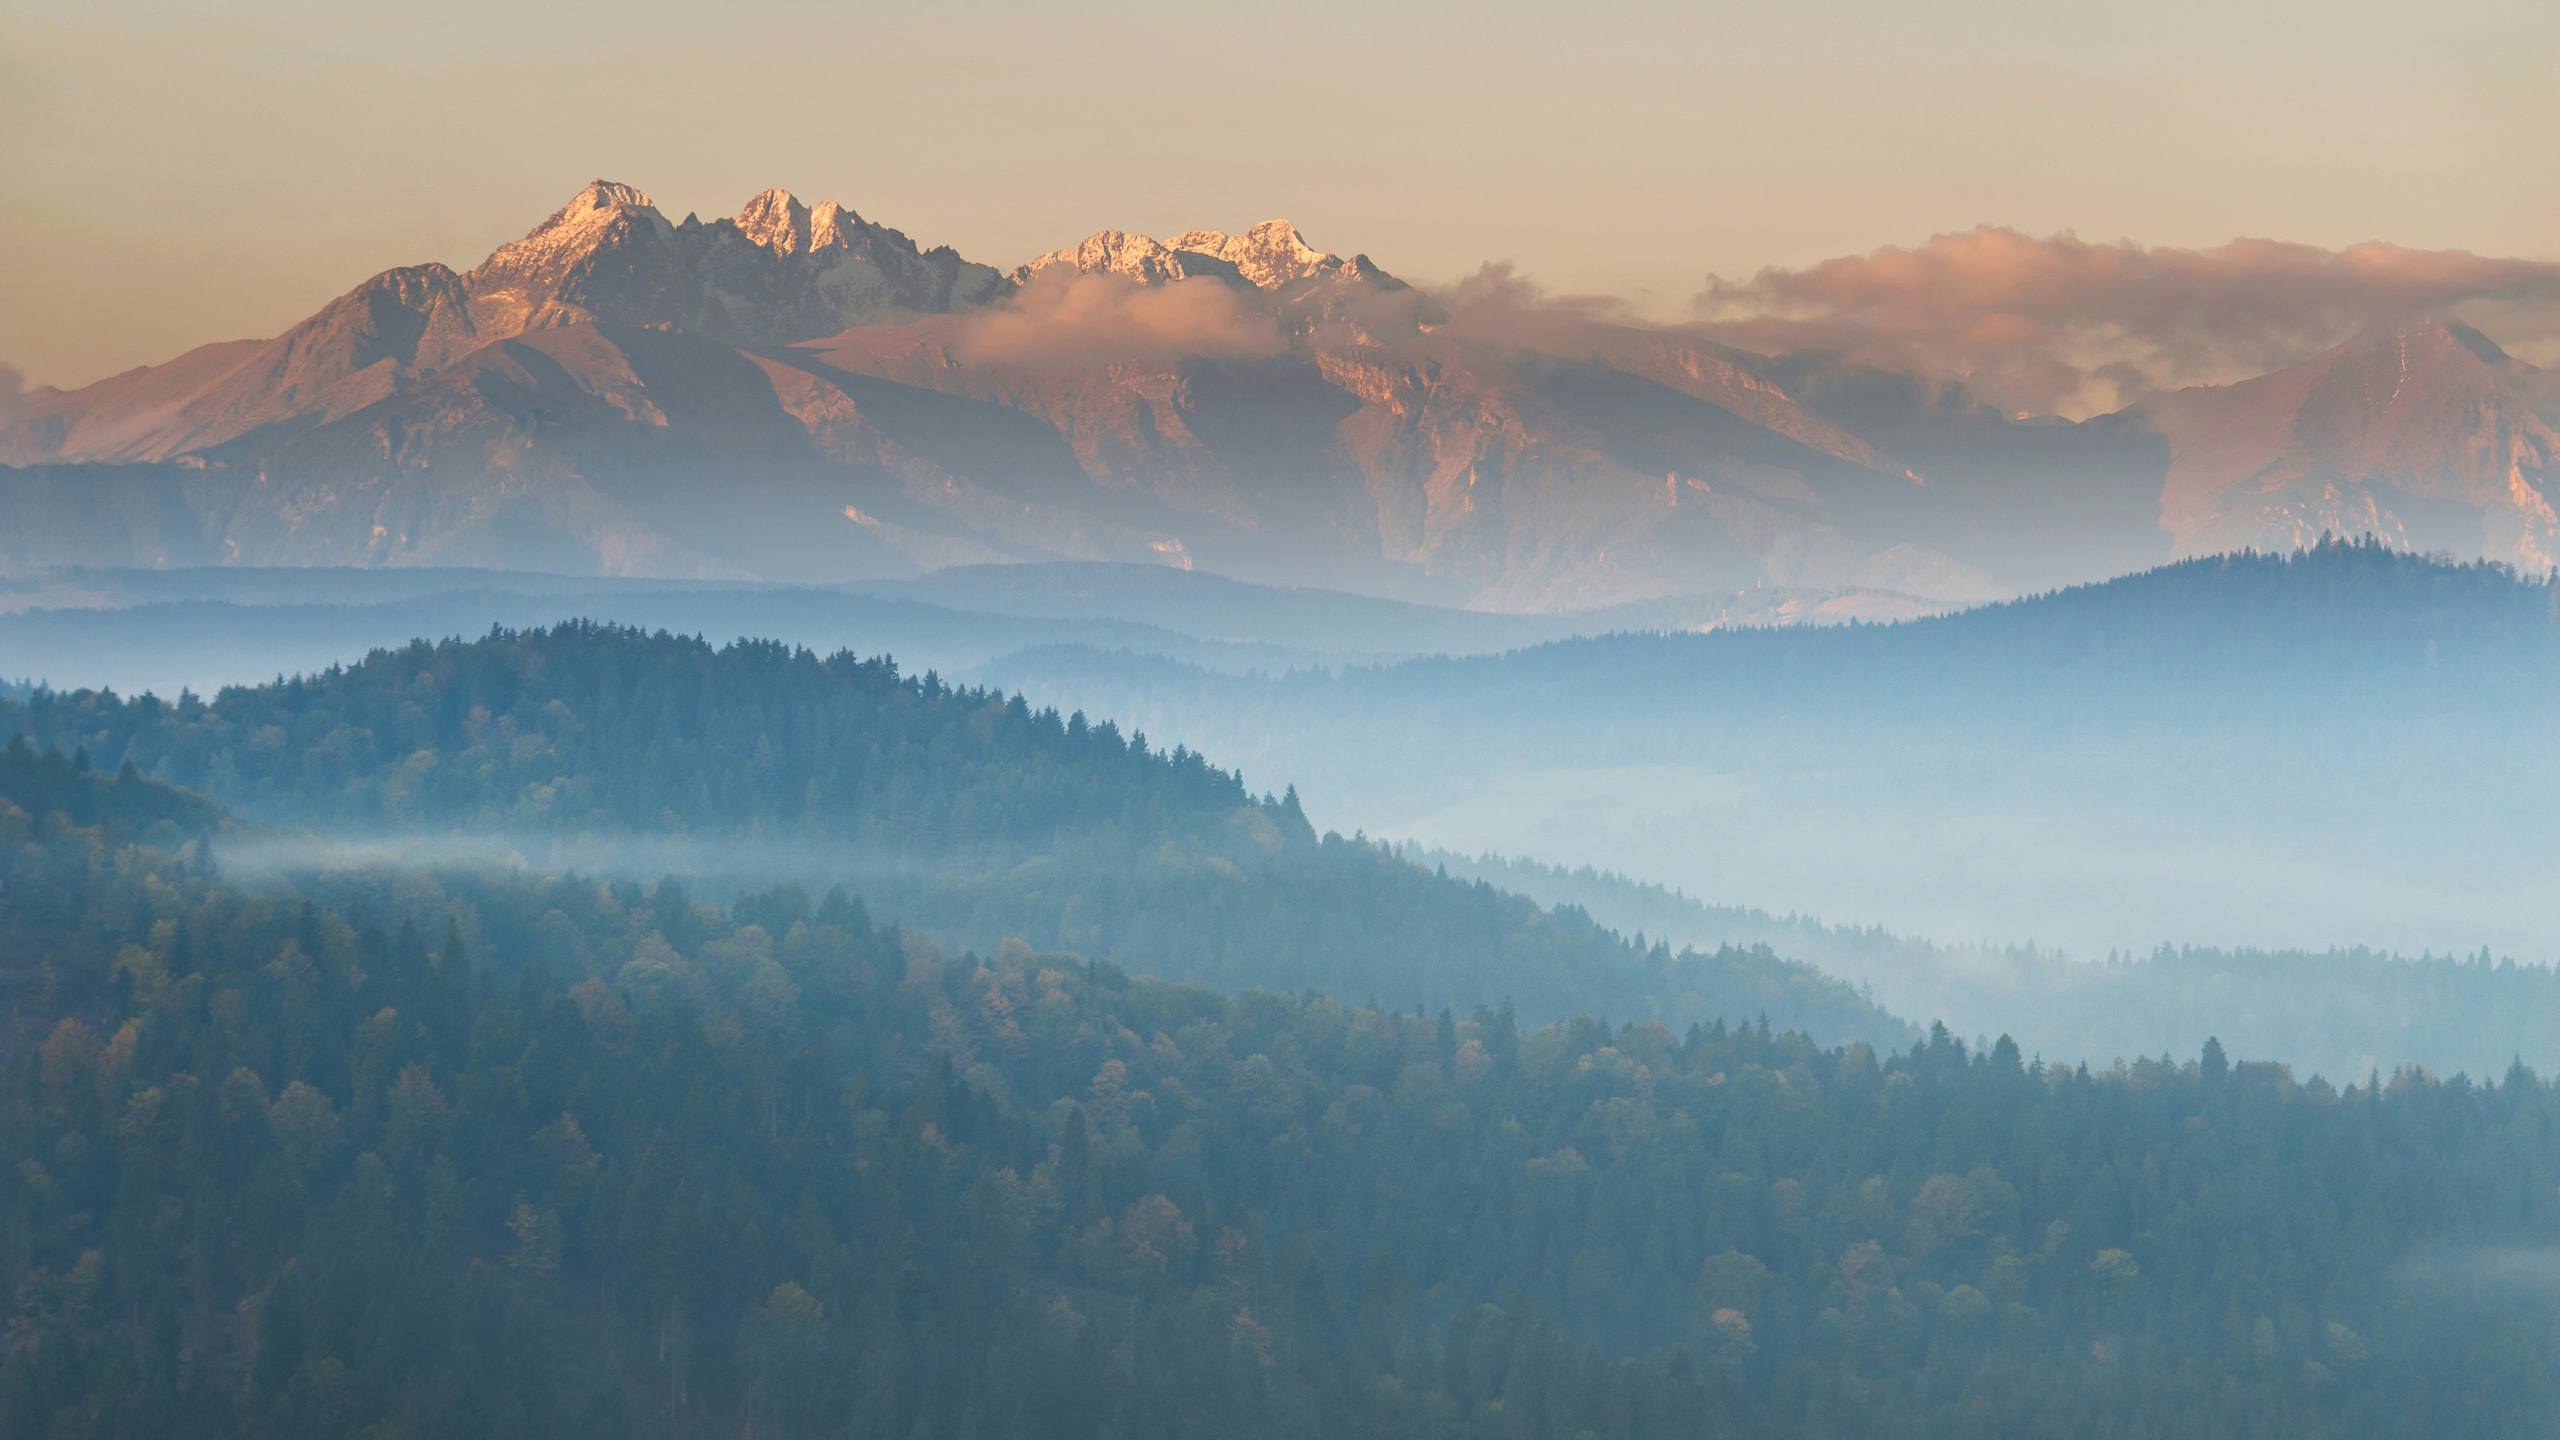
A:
(831, 224)
(2409, 359)
(1118, 252)
(776, 220)
(406, 284)
(602, 209)
(2424, 432)
(2431, 362)
(606, 195)
(2442, 334)
(1269, 255)
(600, 203)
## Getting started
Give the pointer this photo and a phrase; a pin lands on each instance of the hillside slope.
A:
(961, 812)
(639, 1167)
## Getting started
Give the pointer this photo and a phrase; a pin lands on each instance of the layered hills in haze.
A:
(2314, 750)
(799, 393)
(960, 812)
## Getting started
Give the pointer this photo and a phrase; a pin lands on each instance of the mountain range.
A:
(799, 393)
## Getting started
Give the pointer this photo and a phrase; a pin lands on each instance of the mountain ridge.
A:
(799, 393)
(2309, 450)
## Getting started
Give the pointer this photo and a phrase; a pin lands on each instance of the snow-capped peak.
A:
(600, 200)
(1271, 253)
(575, 226)
(831, 224)
(518, 285)
(776, 220)
(1114, 252)
(605, 194)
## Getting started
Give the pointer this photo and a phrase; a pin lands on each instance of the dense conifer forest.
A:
(993, 1071)
(395, 1154)
(677, 820)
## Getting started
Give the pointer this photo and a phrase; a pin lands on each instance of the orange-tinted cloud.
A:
(1067, 318)
(2056, 324)
(1497, 305)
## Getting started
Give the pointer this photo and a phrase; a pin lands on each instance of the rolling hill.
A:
(960, 812)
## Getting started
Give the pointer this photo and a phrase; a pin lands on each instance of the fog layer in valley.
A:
(2305, 757)
(2333, 751)
(2084, 883)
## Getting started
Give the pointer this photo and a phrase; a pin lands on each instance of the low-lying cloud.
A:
(2060, 325)
(1497, 305)
(722, 864)
(2531, 1270)
(1069, 318)
(2033, 324)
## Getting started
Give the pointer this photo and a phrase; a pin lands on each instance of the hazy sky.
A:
(195, 171)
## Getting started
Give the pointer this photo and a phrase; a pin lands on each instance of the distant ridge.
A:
(798, 392)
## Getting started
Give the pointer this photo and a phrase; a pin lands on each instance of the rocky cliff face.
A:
(777, 273)
(2427, 435)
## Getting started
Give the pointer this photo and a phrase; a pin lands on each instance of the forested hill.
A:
(586, 726)
(2265, 635)
(124, 806)
(958, 811)
(493, 1154)
(2344, 682)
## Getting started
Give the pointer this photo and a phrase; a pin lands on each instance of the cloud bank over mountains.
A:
(2032, 325)
(1067, 317)
(2060, 325)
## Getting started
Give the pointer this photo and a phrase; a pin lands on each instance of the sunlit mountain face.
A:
(800, 393)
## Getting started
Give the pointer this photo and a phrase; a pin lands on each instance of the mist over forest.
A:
(1071, 1000)
(759, 825)
(2083, 819)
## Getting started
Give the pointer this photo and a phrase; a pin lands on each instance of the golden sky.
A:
(195, 171)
